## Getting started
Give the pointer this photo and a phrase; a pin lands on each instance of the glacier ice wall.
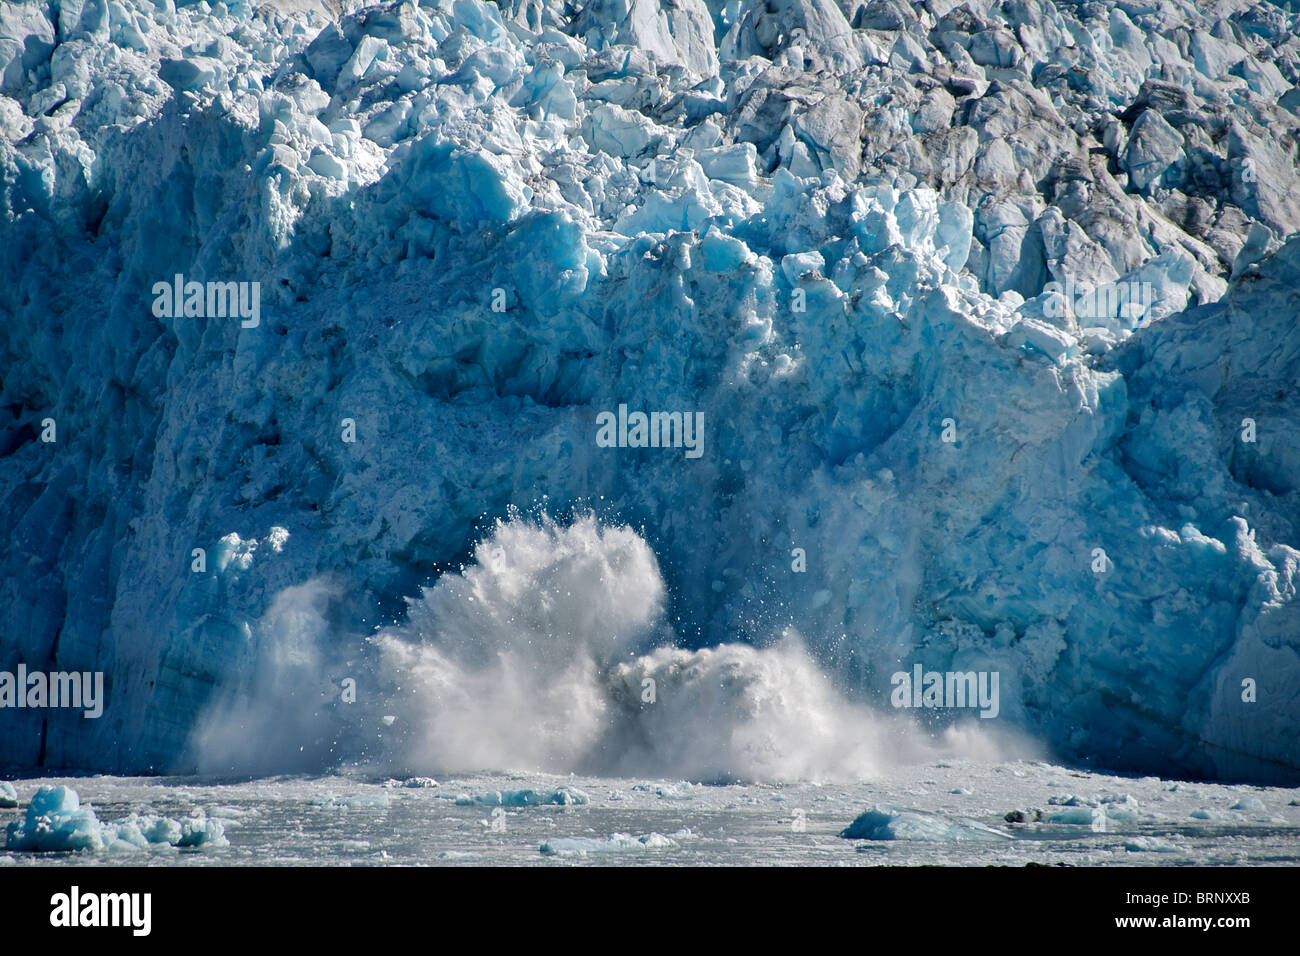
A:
(849, 233)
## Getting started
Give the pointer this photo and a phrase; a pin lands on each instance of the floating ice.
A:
(681, 790)
(1078, 816)
(57, 821)
(561, 796)
(1150, 845)
(354, 801)
(617, 843)
(829, 234)
(883, 822)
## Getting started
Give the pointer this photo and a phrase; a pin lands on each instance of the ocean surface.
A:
(355, 820)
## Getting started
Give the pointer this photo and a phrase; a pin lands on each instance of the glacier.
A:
(916, 815)
(842, 230)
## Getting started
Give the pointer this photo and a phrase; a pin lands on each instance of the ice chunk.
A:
(202, 831)
(162, 830)
(327, 53)
(192, 73)
(1150, 845)
(722, 254)
(8, 795)
(617, 843)
(1040, 337)
(561, 796)
(679, 32)
(670, 791)
(462, 185)
(354, 801)
(619, 132)
(884, 822)
(1070, 800)
(1078, 816)
(327, 165)
(55, 822)
(420, 783)
(735, 164)
(1154, 147)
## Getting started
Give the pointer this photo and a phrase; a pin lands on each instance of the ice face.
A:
(477, 226)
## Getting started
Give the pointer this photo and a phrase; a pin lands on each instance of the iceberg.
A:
(57, 822)
(617, 843)
(884, 822)
(1143, 844)
(561, 796)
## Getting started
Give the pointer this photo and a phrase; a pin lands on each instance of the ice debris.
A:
(960, 198)
(1147, 844)
(57, 821)
(884, 822)
(354, 801)
(617, 843)
(420, 783)
(561, 796)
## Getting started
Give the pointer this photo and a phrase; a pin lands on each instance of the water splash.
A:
(550, 652)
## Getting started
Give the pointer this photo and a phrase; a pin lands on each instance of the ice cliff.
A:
(852, 234)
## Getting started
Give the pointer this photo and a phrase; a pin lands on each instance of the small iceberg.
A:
(354, 801)
(1082, 816)
(561, 796)
(57, 822)
(883, 822)
(1213, 815)
(618, 843)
